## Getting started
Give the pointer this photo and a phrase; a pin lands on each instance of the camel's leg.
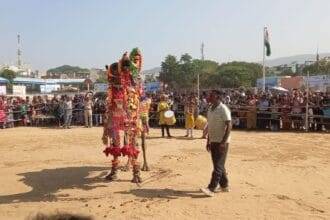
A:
(125, 138)
(136, 171)
(145, 166)
(112, 176)
(128, 164)
(127, 167)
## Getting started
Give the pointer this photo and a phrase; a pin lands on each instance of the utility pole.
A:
(318, 58)
(263, 61)
(307, 103)
(202, 51)
(198, 83)
(19, 52)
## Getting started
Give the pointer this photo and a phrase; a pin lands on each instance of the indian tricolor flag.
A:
(266, 42)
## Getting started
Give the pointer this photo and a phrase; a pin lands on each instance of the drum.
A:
(200, 122)
(169, 117)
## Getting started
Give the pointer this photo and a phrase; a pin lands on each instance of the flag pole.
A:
(263, 62)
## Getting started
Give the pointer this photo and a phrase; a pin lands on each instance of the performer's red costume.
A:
(123, 112)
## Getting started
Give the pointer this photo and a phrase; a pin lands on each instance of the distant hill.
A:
(301, 58)
(151, 71)
(297, 58)
(68, 69)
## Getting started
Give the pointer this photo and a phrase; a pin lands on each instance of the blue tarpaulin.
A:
(100, 87)
(37, 81)
(152, 87)
(270, 81)
(3, 80)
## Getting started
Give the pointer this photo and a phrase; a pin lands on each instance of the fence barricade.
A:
(243, 117)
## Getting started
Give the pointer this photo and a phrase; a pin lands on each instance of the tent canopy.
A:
(37, 81)
(3, 80)
(279, 88)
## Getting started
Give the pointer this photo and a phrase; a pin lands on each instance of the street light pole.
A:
(198, 91)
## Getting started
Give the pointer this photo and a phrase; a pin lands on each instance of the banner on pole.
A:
(19, 90)
(3, 90)
(49, 88)
(100, 87)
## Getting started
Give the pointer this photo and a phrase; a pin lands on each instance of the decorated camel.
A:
(125, 116)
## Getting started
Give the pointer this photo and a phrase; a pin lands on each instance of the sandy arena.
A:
(272, 176)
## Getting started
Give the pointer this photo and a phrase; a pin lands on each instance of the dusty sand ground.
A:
(272, 176)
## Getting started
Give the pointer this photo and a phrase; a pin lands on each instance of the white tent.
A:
(279, 88)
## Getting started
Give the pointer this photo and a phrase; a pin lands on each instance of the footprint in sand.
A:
(300, 203)
(125, 203)
(250, 184)
(282, 197)
(317, 193)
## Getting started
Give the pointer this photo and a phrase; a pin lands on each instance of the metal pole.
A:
(198, 83)
(307, 103)
(46, 86)
(263, 62)
(198, 97)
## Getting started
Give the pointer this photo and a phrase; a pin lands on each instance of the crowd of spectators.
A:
(251, 109)
(62, 111)
(254, 109)
(277, 110)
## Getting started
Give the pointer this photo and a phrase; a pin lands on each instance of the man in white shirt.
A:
(68, 112)
(219, 127)
(88, 112)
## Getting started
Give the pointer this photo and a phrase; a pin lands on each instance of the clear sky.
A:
(91, 33)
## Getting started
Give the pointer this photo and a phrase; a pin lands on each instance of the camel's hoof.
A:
(136, 179)
(145, 168)
(125, 169)
(111, 177)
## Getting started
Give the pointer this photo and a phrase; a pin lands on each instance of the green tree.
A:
(169, 70)
(186, 77)
(236, 74)
(183, 74)
(318, 68)
(8, 74)
(205, 69)
(102, 79)
(179, 75)
(185, 58)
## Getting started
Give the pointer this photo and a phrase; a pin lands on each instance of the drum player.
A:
(163, 106)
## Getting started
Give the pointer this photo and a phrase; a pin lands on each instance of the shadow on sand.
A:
(47, 182)
(164, 193)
